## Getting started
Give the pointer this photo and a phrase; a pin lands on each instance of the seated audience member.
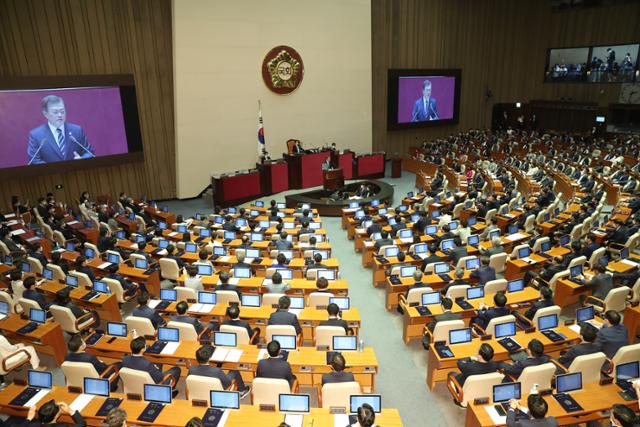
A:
(233, 314)
(116, 417)
(537, 408)
(141, 251)
(81, 267)
(496, 248)
(49, 412)
(547, 273)
(535, 357)
(588, 333)
(275, 366)
(457, 281)
(224, 284)
(203, 258)
(281, 262)
(182, 317)
(193, 280)
(457, 252)
(77, 353)
(546, 300)
(485, 314)
(317, 262)
(446, 304)
(137, 361)
(305, 229)
(128, 287)
(64, 300)
(383, 241)
(171, 249)
(32, 294)
(485, 273)
(282, 316)
(366, 416)
(204, 369)
(432, 258)
(143, 310)
(600, 284)
(476, 365)
(620, 416)
(37, 253)
(338, 375)
(104, 239)
(322, 285)
(276, 286)
(334, 318)
(612, 335)
(56, 259)
(16, 287)
(282, 244)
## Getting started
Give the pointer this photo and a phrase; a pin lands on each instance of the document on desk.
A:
(104, 265)
(170, 348)
(234, 281)
(341, 420)
(201, 308)
(225, 258)
(515, 236)
(153, 303)
(262, 354)
(368, 243)
(629, 262)
(219, 354)
(495, 417)
(162, 252)
(74, 222)
(173, 234)
(17, 232)
(37, 398)
(294, 420)
(33, 239)
(223, 419)
(12, 223)
(233, 355)
(80, 402)
(407, 240)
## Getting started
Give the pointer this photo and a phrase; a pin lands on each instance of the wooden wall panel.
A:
(81, 37)
(499, 45)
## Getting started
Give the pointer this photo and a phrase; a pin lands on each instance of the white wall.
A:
(218, 51)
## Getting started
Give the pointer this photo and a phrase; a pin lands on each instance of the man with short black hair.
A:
(276, 286)
(204, 369)
(338, 375)
(485, 273)
(143, 310)
(334, 318)
(77, 353)
(282, 316)
(622, 416)
(32, 294)
(224, 284)
(183, 317)
(535, 357)
(49, 412)
(322, 284)
(537, 408)
(233, 314)
(612, 335)
(588, 333)
(546, 300)
(476, 365)
(137, 362)
(485, 314)
(275, 366)
(116, 417)
(446, 304)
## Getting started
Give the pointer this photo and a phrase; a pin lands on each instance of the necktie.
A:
(61, 144)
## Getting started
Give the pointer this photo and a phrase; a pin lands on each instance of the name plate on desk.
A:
(306, 369)
(76, 390)
(267, 408)
(337, 410)
(200, 403)
(369, 369)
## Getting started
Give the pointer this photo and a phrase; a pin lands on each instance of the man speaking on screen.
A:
(57, 141)
(425, 107)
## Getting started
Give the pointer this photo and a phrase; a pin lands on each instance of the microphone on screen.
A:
(37, 151)
(73, 138)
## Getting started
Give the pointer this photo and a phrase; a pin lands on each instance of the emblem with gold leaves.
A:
(282, 70)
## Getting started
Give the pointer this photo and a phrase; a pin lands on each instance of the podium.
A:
(333, 179)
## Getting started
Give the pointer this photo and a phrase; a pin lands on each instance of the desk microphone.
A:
(37, 151)
(81, 146)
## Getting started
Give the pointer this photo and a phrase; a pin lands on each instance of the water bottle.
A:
(361, 346)
(134, 333)
(534, 389)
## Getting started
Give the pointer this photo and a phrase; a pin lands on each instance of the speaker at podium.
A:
(333, 179)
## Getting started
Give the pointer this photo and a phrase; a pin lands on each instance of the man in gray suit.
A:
(282, 244)
(446, 304)
(182, 317)
(601, 283)
(338, 375)
(282, 316)
(275, 366)
(496, 248)
(538, 410)
(612, 335)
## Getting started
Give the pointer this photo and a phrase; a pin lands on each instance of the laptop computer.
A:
(221, 402)
(503, 333)
(100, 387)
(39, 385)
(158, 396)
(547, 324)
(564, 384)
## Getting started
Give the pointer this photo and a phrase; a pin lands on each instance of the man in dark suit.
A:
(305, 229)
(383, 241)
(338, 375)
(56, 140)
(535, 357)
(39, 255)
(590, 246)
(446, 304)
(224, 284)
(546, 300)
(49, 413)
(143, 310)
(275, 366)
(228, 225)
(233, 314)
(601, 283)
(537, 408)
(81, 267)
(182, 317)
(282, 244)
(77, 353)
(485, 273)
(32, 294)
(476, 365)
(282, 316)
(620, 234)
(457, 281)
(589, 333)
(425, 107)
(431, 258)
(137, 361)
(334, 318)
(575, 253)
(612, 335)
(104, 240)
(458, 251)
(204, 369)
(171, 255)
(485, 314)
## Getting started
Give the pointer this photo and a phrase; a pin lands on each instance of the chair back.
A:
(490, 214)
(137, 256)
(338, 395)
(186, 330)
(538, 244)
(242, 336)
(441, 330)
(529, 223)
(266, 391)
(290, 144)
(462, 262)
(324, 335)
(59, 238)
(499, 261)
(477, 386)
(311, 274)
(596, 255)
(198, 387)
(64, 316)
(589, 365)
(142, 325)
(514, 252)
(556, 277)
(616, 299)
(115, 288)
(576, 233)
(83, 280)
(494, 286)
(5, 297)
(626, 354)
(88, 245)
(636, 291)
(35, 265)
(271, 270)
(134, 380)
(186, 294)
(491, 327)
(169, 269)
(58, 272)
(226, 297)
(319, 299)
(541, 375)
(457, 291)
(117, 254)
(75, 372)
(279, 330)
(581, 260)
(27, 304)
(545, 311)
(415, 295)
(383, 248)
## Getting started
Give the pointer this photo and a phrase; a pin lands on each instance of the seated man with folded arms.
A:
(137, 361)
(588, 333)
(233, 314)
(77, 353)
(334, 318)
(49, 413)
(476, 365)
(204, 369)
(143, 310)
(282, 316)
(485, 314)
(537, 409)
(338, 375)
(535, 357)
(182, 317)
(612, 335)
(275, 366)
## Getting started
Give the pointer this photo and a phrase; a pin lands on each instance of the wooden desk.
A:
(47, 338)
(105, 304)
(151, 281)
(394, 291)
(516, 268)
(254, 285)
(180, 411)
(593, 398)
(632, 321)
(438, 368)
